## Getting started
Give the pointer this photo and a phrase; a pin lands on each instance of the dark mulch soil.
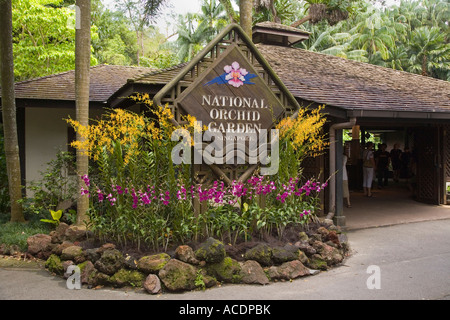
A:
(235, 251)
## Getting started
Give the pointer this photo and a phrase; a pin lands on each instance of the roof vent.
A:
(277, 34)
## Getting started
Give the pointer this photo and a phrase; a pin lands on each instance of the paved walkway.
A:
(412, 253)
(413, 261)
(390, 206)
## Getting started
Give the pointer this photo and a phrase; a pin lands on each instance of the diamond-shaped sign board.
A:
(230, 96)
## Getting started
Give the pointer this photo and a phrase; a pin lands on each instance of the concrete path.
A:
(390, 206)
(413, 261)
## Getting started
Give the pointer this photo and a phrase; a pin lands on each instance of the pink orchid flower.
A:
(236, 75)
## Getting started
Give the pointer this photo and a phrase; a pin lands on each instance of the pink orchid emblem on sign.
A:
(235, 75)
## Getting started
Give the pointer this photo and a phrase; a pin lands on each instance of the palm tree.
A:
(9, 111)
(232, 15)
(334, 42)
(82, 64)
(428, 51)
(191, 39)
(153, 9)
(141, 13)
(375, 34)
(213, 13)
(398, 58)
(437, 14)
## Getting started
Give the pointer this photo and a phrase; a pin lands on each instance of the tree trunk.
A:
(246, 11)
(9, 111)
(274, 12)
(301, 21)
(424, 65)
(230, 11)
(82, 64)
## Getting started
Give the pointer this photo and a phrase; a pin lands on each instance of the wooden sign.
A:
(231, 88)
(230, 97)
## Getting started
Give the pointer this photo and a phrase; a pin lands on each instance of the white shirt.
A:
(344, 168)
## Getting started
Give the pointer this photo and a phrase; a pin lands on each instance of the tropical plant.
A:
(231, 13)
(56, 186)
(374, 35)
(300, 138)
(213, 13)
(116, 43)
(44, 38)
(191, 37)
(429, 51)
(398, 58)
(141, 14)
(139, 196)
(56, 216)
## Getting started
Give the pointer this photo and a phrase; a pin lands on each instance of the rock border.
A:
(187, 269)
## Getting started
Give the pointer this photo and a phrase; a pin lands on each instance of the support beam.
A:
(332, 164)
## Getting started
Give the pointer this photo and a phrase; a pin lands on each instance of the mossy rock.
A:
(262, 254)
(125, 277)
(302, 236)
(178, 276)
(86, 269)
(110, 262)
(98, 278)
(228, 270)
(54, 265)
(288, 270)
(208, 280)
(211, 251)
(153, 263)
(284, 254)
(317, 262)
(302, 257)
(72, 253)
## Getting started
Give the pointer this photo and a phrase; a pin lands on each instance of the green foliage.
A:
(56, 216)
(192, 37)
(14, 233)
(43, 38)
(199, 281)
(57, 184)
(411, 36)
(140, 197)
(116, 43)
(286, 11)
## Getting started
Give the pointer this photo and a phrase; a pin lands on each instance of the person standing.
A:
(405, 161)
(382, 161)
(396, 163)
(368, 168)
(346, 192)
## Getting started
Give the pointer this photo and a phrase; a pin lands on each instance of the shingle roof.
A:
(104, 81)
(311, 76)
(355, 85)
(159, 76)
(279, 26)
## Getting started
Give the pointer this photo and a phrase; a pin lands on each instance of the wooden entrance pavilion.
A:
(356, 95)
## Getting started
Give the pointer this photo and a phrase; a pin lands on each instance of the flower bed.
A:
(194, 267)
